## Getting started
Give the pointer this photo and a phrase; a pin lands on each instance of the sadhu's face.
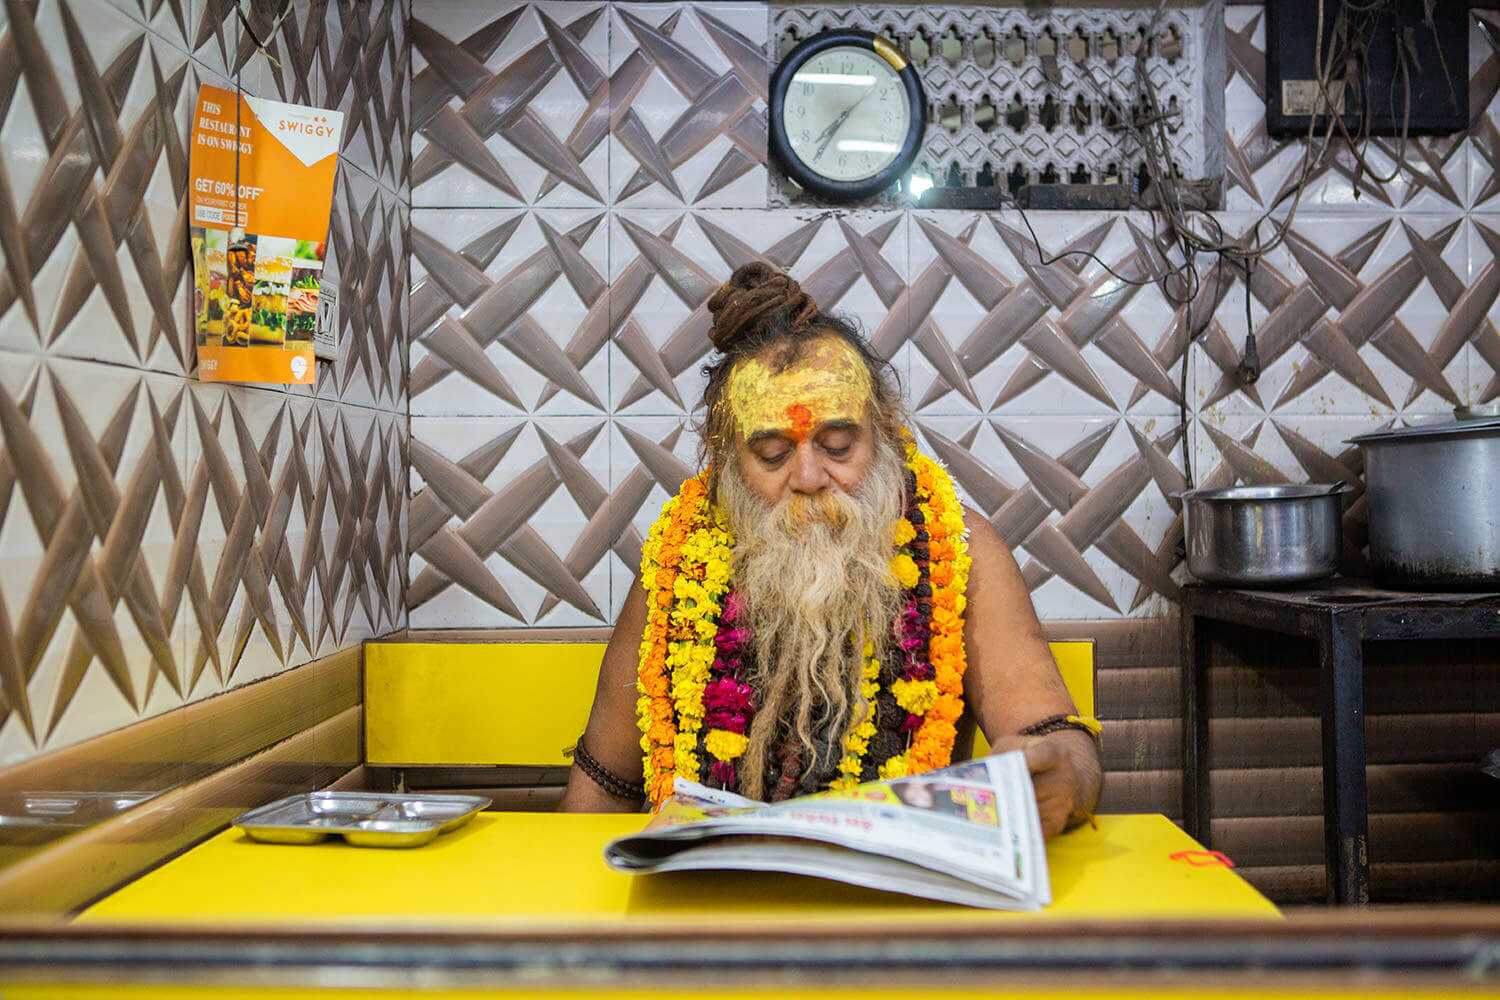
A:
(807, 428)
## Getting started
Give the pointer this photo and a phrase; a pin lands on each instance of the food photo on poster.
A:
(262, 186)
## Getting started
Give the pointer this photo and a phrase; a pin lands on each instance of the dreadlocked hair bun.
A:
(754, 299)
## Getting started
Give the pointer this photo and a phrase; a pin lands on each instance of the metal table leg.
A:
(1197, 807)
(1345, 820)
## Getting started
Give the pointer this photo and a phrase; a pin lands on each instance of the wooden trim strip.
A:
(1128, 640)
(78, 869)
(590, 633)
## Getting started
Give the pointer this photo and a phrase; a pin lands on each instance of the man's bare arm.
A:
(611, 734)
(1012, 681)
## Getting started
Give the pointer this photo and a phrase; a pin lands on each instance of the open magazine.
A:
(968, 833)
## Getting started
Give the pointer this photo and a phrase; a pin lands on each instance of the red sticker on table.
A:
(1202, 859)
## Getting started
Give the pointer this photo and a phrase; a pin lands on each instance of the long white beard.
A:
(814, 572)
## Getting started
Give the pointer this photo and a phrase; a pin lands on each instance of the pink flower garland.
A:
(728, 701)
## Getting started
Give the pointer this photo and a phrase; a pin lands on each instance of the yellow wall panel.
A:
(522, 703)
(476, 703)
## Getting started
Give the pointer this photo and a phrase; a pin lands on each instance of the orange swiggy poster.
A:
(261, 187)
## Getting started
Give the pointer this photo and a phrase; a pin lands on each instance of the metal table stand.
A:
(1340, 615)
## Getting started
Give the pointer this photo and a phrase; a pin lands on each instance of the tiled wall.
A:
(162, 540)
(584, 175)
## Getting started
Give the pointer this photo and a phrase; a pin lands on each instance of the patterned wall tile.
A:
(650, 456)
(510, 521)
(359, 504)
(251, 461)
(296, 507)
(161, 540)
(665, 265)
(688, 94)
(1052, 390)
(510, 312)
(340, 54)
(171, 20)
(1082, 500)
(1353, 314)
(93, 246)
(509, 104)
(1477, 306)
(1001, 330)
(92, 615)
(364, 58)
(369, 252)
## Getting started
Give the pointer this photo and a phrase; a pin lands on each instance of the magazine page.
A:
(975, 821)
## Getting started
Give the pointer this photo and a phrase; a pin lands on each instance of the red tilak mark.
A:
(1202, 859)
(800, 418)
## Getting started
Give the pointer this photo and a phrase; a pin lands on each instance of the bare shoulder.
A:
(993, 562)
(1012, 679)
(981, 532)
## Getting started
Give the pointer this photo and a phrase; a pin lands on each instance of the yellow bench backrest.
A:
(521, 703)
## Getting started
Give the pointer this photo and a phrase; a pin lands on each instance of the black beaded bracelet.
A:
(606, 779)
(1054, 723)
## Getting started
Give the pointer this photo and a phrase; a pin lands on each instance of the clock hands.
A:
(826, 136)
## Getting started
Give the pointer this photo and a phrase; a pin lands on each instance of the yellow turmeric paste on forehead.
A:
(828, 383)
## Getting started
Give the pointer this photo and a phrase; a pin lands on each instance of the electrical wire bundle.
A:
(1193, 230)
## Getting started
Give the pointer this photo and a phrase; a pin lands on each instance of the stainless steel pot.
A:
(1434, 496)
(1257, 536)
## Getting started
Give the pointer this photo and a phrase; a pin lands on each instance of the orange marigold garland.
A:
(661, 559)
(932, 746)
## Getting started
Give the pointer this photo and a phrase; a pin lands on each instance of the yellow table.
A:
(537, 869)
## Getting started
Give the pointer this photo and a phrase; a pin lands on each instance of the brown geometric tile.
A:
(1353, 314)
(688, 89)
(1083, 501)
(350, 57)
(91, 624)
(665, 265)
(476, 74)
(511, 521)
(1000, 330)
(90, 191)
(510, 312)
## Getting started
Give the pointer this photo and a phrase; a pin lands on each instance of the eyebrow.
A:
(831, 425)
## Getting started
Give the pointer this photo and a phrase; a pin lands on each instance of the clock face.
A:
(846, 113)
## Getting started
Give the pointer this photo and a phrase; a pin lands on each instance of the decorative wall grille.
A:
(1023, 96)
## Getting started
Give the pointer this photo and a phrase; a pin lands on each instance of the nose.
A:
(808, 474)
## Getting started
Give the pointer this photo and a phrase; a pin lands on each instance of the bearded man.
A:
(816, 608)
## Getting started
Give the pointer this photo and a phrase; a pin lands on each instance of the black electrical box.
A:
(1388, 47)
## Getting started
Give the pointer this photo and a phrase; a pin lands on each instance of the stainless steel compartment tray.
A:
(366, 819)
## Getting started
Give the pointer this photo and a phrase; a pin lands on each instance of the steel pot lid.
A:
(1444, 429)
(1280, 491)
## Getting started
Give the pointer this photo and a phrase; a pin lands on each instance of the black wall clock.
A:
(847, 114)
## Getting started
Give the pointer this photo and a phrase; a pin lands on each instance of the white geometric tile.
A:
(509, 312)
(688, 105)
(1351, 315)
(510, 105)
(650, 456)
(93, 637)
(498, 512)
(1027, 337)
